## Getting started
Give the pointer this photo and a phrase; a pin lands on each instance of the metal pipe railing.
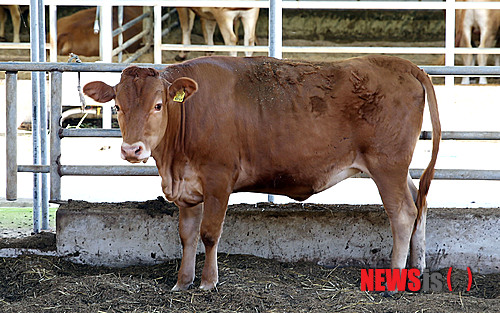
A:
(55, 138)
(118, 67)
(148, 170)
(11, 135)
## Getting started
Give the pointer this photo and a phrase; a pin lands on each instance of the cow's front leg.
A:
(189, 229)
(211, 230)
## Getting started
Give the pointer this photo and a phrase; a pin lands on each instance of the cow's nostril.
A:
(138, 150)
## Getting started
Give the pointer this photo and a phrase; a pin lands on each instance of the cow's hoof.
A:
(181, 287)
(208, 285)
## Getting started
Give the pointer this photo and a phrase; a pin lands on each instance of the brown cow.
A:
(217, 125)
(486, 24)
(15, 14)
(75, 33)
(225, 18)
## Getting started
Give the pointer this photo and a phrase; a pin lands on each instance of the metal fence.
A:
(39, 68)
(57, 170)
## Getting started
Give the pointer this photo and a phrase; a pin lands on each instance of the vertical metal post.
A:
(55, 140)
(53, 32)
(120, 35)
(11, 135)
(106, 46)
(157, 34)
(450, 40)
(106, 28)
(275, 38)
(44, 148)
(35, 121)
(275, 28)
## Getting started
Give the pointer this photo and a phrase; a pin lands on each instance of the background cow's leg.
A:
(417, 244)
(16, 21)
(186, 20)
(226, 29)
(211, 230)
(400, 208)
(466, 42)
(488, 38)
(189, 229)
(3, 19)
(249, 19)
(208, 32)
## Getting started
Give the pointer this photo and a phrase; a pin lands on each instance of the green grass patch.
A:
(22, 218)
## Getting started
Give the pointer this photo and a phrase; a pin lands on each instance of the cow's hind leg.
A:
(189, 229)
(3, 19)
(16, 21)
(208, 32)
(186, 20)
(400, 207)
(417, 244)
(249, 19)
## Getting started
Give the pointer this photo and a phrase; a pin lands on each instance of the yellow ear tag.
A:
(179, 96)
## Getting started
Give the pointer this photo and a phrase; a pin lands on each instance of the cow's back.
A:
(291, 125)
(75, 33)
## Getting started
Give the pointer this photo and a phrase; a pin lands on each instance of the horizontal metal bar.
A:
(146, 170)
(328, 49)
(458, 174)
(118, 67)
(108, 170)
(33, 168)
(461, 70)
(168, 14)
(137, 54)
(424, 135)
(70, 67)
(452, 174)
(129, 24)
(15, 45)
(169, 29)
(218, 48)
(90, 132)
(461, 135)
(129, 42)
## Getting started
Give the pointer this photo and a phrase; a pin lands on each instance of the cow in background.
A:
(477, 24)
(75, 33)
(225, 18)
(15, 14)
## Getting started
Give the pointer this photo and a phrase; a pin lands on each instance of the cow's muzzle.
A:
(135, 153)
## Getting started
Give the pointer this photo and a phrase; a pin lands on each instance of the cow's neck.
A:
(170, 151)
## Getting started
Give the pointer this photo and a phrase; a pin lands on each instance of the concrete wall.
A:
(146, 233)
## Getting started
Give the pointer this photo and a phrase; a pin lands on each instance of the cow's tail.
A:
(425, 179)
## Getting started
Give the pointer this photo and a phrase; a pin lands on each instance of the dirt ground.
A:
(37, 283)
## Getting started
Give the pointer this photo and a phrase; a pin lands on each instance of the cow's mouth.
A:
(135, 161)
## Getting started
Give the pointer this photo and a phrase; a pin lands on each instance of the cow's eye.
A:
(117, 108)
(158, 107)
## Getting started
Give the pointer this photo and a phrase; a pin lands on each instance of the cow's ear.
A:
(182, 88)
(99, 91)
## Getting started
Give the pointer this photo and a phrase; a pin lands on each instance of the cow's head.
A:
(142, 97)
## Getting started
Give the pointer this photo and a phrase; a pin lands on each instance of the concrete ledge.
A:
(124, 234)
